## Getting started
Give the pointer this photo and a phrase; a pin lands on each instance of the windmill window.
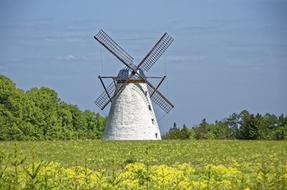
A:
(152, 120)
(149, 107)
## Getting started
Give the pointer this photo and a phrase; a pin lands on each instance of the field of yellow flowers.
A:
(143, 165)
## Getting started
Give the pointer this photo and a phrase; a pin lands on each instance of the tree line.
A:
(243, 125)
(39, 114)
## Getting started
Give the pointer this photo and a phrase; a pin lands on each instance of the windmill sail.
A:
(104, 98)
(155, 53)
(114, 48)
(159, 99)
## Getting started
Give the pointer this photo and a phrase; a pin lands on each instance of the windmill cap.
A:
(125, 73)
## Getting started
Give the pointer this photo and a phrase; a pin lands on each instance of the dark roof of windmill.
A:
(124, 74)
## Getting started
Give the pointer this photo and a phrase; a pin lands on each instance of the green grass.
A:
(190, 165)
(105, 154)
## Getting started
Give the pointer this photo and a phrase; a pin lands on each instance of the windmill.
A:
(130, 93)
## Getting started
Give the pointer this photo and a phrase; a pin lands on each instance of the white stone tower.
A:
(131, 115)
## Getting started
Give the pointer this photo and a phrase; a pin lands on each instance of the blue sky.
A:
(228, 55)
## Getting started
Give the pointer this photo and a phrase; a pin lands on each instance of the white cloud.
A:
(72, 58)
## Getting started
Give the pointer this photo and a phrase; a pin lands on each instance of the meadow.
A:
(168, 164)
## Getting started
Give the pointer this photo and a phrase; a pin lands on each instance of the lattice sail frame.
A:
(147, 62)
(155, 53)
(113, 47)
(105, 96)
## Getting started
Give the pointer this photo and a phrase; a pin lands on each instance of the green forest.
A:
(39, 114)
(244, 125)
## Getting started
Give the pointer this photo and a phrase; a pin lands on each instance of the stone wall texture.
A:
(131, 115)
